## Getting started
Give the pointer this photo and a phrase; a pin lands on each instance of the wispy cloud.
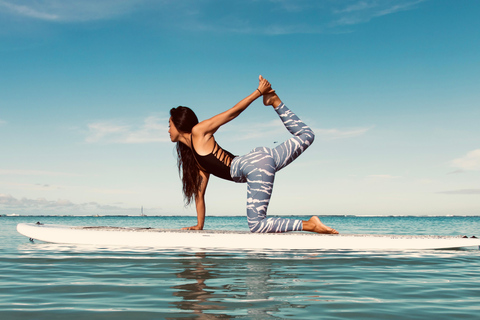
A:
(153, 129)
(26, 204)
(27, 10)
(290, 16)
(297, 16)
(274, 128)
(10, 201)
(469, 162)
(462, 191)
(355, 12)
(69, 10)
(2, 122)
(334, 134)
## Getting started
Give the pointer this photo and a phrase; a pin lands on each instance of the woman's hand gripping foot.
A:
(263, 85)
(270, 98)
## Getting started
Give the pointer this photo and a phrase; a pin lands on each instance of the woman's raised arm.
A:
(208, 127)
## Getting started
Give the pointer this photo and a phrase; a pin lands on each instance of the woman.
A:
(199, 155)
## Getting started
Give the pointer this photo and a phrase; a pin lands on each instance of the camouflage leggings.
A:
(258, 169)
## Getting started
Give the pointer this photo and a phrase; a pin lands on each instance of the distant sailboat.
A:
(142, 214)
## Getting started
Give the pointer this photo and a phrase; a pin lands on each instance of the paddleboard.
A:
(216, 239)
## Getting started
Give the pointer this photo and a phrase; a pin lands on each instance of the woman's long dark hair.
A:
(184, 120)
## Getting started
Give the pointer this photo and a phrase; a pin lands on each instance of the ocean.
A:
(51, 281)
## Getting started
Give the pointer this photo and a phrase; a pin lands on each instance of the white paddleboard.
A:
(213, 239)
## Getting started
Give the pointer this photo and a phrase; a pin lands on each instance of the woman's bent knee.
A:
(309, 136)
(254, 227)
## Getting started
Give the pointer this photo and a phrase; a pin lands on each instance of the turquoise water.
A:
(47, 281)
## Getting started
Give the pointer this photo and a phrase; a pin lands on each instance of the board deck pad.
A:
(222, 239)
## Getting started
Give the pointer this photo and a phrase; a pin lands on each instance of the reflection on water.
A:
(196, 295)
(253, 286)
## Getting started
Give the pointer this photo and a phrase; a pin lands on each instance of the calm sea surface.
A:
(47, 281)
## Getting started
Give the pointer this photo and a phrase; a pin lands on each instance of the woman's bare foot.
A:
(315, 225)
(270, 98)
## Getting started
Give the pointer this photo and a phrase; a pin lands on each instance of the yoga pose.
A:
(199, 155)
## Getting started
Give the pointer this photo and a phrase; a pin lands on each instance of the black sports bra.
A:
(216, 162)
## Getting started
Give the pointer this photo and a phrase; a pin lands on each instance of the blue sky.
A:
(391, 89)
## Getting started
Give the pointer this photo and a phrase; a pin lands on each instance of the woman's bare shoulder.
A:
(202, 141)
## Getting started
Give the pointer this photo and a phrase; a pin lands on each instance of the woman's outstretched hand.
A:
(263, 85)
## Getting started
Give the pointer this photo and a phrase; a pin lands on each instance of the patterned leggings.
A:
(258, 169)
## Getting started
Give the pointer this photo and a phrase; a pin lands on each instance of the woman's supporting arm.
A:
(200, 203)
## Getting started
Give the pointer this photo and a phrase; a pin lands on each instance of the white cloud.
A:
(6, 199)
(153, 129)
(9, 201)
(2, 122)
(469, 162)
(26, 204)
(333, 134)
